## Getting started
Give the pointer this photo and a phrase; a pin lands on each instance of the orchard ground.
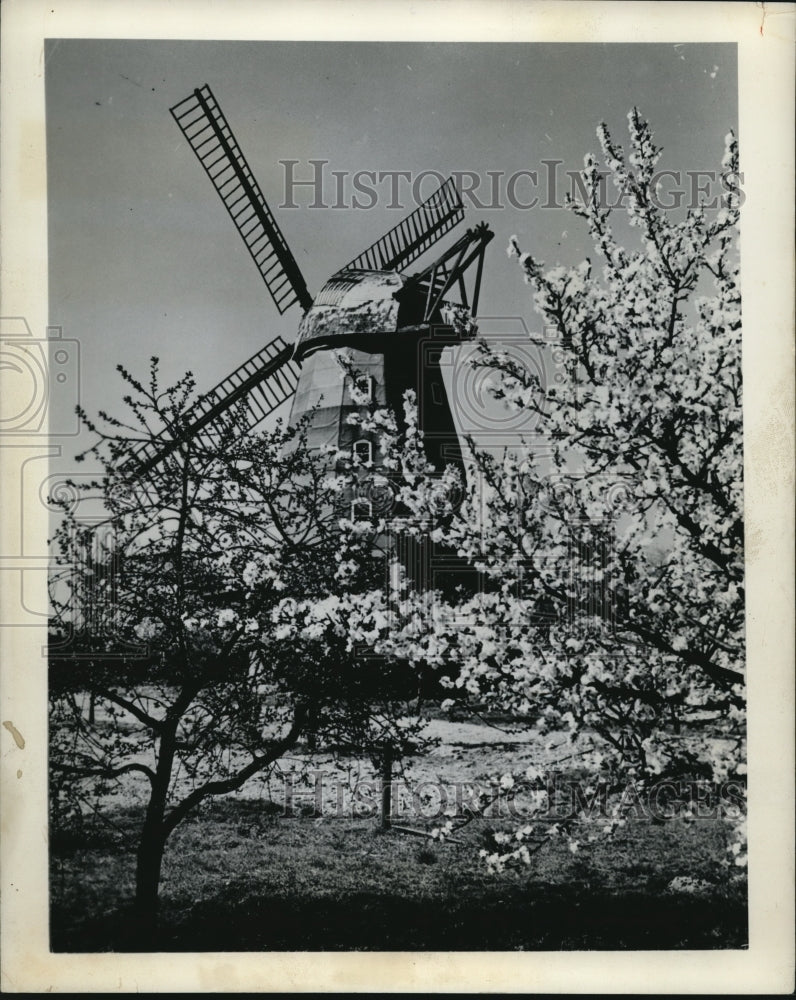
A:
(297, 861)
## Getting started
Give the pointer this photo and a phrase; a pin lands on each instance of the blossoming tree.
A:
(646, 444)
(647, 435)
(164, 602)
(612, 604)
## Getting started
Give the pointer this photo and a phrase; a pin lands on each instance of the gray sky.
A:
(144, 259)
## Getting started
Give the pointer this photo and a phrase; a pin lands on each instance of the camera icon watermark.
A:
(87, 623)
(500, 385)
(41, 381)
(592, 511)
(38, 404)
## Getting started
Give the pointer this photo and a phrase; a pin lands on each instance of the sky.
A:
(144, 260)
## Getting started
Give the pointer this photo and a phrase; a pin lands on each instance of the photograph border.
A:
(765, 38)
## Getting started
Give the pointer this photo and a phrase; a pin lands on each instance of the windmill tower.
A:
(394, 323)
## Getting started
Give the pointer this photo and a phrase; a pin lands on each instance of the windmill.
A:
(395, 324)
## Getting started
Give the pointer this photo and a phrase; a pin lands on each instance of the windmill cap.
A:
(351, 306)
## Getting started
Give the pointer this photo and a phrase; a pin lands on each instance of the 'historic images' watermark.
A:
(553, 798)
(550, 187)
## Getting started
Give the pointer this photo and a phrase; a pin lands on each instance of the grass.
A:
(239, 876)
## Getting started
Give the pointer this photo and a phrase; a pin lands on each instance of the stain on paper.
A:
(18, 737)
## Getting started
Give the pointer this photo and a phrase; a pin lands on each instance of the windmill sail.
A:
(246, 396)
(204, 126)
(414, 234)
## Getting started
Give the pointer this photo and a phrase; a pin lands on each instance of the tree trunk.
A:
(150, 849)
(147, 882)
(386, 788)
(157, 826)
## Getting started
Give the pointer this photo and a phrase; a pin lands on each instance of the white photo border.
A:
(764, 35)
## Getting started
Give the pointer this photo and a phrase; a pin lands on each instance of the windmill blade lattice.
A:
(412, 236)
(259, 385)
(204, 126)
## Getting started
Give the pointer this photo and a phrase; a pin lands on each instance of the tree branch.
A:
(106, 772)
(224, 785)
(722, 675)
(148, 720)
